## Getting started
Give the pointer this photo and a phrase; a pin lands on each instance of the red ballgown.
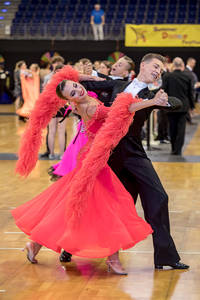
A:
(108, 220)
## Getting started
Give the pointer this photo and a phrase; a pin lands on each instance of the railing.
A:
(63, 31)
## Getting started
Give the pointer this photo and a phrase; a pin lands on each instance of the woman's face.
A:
(103, 69)
(33, 68)
(23, 66)
(74, 91)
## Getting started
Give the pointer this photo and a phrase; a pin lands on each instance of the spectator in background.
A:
(97, 21)
(54, 123)
(105, 67)
(30, 85)
(191, 63)
(19, 101)
(179, 85)
(96, 64)
(162, 115)
(45, 70)
(6, 96)
(87, 67)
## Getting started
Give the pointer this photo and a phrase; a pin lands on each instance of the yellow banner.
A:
(162, 35)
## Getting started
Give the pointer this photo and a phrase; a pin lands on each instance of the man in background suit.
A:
(189, 69)
(178, 84)
(190, 65)
(132, 166)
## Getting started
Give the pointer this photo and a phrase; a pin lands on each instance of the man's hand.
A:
(161, 98)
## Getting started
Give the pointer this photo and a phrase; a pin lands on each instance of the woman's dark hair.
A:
(60, 88)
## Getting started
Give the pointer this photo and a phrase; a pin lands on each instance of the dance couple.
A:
(75, 212)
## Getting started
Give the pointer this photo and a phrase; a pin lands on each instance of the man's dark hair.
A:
(58, 59)
(150, 56)
(58, 67)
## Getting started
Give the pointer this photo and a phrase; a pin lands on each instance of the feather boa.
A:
(113, 129)
(46, 106)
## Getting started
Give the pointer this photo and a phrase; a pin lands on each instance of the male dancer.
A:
(135, 170)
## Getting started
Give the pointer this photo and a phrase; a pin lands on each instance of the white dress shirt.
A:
(135, 87)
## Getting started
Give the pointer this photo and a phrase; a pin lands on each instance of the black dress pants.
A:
(139, 177)
(162, 121)
(177, 125)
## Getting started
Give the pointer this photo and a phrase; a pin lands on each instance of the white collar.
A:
(189, 68)
(115, 77)
(138, 83)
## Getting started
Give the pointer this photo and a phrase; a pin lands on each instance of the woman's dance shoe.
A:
(116, 267)
(31, 252)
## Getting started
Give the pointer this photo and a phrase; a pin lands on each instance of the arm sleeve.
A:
(95, 86)
(191, 95)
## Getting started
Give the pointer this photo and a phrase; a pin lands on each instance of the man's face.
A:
(87, 68)
(151, 70)
(97, 7)
(120, 68)
(192, 63)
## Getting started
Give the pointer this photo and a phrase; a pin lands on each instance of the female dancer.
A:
(69, 159)
(30, 84)
(76, 212)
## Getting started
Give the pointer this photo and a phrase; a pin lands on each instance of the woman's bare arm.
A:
(160, 99)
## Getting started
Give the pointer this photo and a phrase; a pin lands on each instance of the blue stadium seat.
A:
(16, 21)
(27, 20)
(18, 14)
(171, 14)
(141, 7)
(22, 6)
(121, 7)
(160, 20)
(151, 7)
(150, 13)
(149, 21)
(129, 20)
(87, 19)
(75, 30)
(139, 20)
(170, 20)
(162, 6)
(53, 29)
(120, 14)
(116, 30)
(172, 7)
(39, 14)
(192, 13)
(181, 14)
(43, 1)
(180, 20)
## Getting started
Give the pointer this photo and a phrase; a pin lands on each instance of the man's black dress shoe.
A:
(45, 155)
(178, 266)
(65, 256)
